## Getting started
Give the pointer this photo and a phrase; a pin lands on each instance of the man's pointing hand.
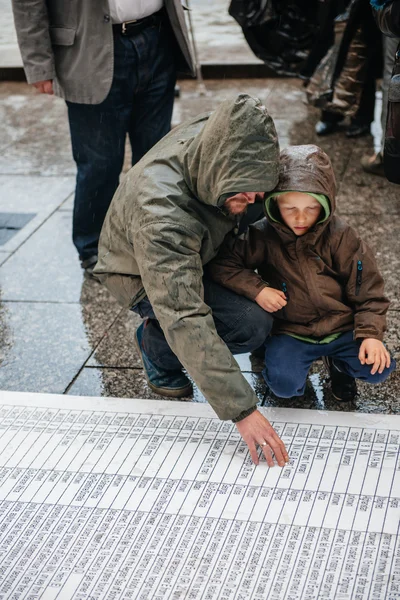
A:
(256, 430)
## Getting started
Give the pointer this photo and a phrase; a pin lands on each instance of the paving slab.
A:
(46, 344)
(27, 194)
(46, 268)
(41, 151)
(22, 107)
(4, 256)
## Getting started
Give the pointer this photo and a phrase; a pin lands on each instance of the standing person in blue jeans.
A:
(115, 64)
(317, 277)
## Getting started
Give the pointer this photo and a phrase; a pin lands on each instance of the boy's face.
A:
(299, 211)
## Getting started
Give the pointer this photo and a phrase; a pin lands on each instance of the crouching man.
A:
(167, 219)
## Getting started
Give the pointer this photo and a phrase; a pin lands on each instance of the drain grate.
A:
(11, 223)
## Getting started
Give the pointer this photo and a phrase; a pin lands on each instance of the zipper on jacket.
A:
(359, 276)
(284, 290)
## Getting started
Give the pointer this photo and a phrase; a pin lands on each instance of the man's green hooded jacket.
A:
(166, 221)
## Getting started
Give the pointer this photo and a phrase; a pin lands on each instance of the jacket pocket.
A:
(62, 36)
(285, 291)
(359, 276)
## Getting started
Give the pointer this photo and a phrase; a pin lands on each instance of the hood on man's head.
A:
(308, 169)
(236, 151)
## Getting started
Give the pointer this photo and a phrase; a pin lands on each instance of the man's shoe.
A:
(326, 128)
(88, 265)
(344, 387)
(355, 130)
(373, 164)
(173, 384)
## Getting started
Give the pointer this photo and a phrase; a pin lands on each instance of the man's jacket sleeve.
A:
(364, 285)
(234, 265)
(32, 26)
(170, 266)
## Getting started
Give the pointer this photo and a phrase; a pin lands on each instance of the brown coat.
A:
(329, 274)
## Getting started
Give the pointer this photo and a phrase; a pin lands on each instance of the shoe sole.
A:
(341, 399)
(168, 392)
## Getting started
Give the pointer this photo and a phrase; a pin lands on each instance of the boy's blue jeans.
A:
(241, 323)
(288, 360)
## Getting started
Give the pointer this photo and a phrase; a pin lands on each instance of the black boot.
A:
(344, 387)
(358, 130)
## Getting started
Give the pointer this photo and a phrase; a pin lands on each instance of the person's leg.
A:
(98, 134)
(389, 53)
(162, 368)
(344, 352)
(240, 322)
(153, 339)
(361, 122)
(287, 363)
(374, 164)
(154, 94)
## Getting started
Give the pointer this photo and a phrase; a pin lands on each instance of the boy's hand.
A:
(373, 352)
(256, 430)
(270, 299)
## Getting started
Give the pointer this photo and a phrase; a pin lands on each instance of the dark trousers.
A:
(241, 323)
(288, 360)
(139, 103)
(365, 112)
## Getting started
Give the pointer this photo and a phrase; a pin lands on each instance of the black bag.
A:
(279, 32)
(391, 152)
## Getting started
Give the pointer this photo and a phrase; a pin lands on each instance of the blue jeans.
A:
(288, 360)
(240, 323)
(139, 103)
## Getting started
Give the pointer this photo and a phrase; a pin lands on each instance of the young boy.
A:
(317, 276)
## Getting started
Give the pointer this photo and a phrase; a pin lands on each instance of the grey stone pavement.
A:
(61, 333)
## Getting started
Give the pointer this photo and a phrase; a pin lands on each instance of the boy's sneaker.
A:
(173, 384)
(344, 387)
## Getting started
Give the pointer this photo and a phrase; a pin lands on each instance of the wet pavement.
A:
(61, 333)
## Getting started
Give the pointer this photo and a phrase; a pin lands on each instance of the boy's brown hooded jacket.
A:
(329, 274)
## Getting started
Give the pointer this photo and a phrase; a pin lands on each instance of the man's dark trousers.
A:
(241, 323)
(139, 103)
